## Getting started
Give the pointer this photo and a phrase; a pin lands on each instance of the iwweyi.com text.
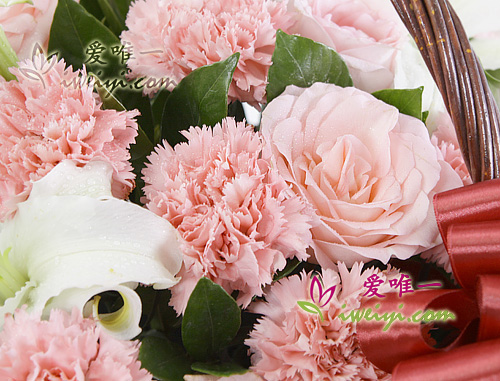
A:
(390, 317)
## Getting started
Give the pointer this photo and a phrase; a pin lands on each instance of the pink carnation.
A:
(366, 33)
(289, 343)
(182, 36)
(445, 141)
(51, 114)
(26, 25)
(369, 171)
(66, 347)
(238, 219)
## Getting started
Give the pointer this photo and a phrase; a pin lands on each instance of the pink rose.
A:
(28, 24)
(369, 171)
(366, 33)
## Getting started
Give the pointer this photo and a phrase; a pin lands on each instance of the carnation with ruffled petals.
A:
(446, 142)
(370, 171)
(51, 114)
(238, 218)
(183, 36)
(289, 343)
(366, 33)
(26, 25)
(66, 347)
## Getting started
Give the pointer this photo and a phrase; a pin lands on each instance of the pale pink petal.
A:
(26, 25)
(66, 347)
(366, 33)
(51, 114)
(183, 36)
(288, 343)
(369, 171)
(238, 219)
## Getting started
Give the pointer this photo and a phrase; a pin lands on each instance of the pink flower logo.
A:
(316, 290)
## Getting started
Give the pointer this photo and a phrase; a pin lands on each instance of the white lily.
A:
(71, 240)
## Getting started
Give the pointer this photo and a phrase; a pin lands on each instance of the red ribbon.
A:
(469, 223)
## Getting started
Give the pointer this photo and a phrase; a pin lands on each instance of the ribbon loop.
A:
(469, 222)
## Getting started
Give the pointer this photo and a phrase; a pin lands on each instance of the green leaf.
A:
(407, 101)
(493, 75)
(93, 8)
(219, 369)
(301, 62)
(157, 105)
(211, 320)
(142, 146)
(115, 12)
(310, 307)
(200, 98)
(164, 359)
(8, 57)
(81, 39)
(291, 265)
(425, 115)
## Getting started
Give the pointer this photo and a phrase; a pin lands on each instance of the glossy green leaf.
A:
(211, 320)
(113, 18)
(164, 359)
(200, 98)
(301, 62)
(115, 12)
(407, 101)
(219, 369)
(93, 8)
(81, 39)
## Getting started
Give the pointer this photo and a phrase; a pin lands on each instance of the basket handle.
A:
(446, 50)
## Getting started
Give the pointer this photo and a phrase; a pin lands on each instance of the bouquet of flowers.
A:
(249, 190)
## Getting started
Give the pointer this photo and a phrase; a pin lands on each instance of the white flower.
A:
(8, 3)
(411, 71)
(71, 240)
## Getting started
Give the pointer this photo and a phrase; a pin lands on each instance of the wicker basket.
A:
(460, 78)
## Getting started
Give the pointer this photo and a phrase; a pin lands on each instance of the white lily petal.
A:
(66, 241)
(93, 180)
(122, 324)
(478, 16)
(11, 304)
(488, 50)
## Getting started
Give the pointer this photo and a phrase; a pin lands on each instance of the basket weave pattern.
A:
(460, 78)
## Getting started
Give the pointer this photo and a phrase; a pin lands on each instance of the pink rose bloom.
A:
(369, 171)
(366, 33)
(185, 35)
(26, 25)
(238, 218)
(66, 347)
(51, 114)
(289, 343)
